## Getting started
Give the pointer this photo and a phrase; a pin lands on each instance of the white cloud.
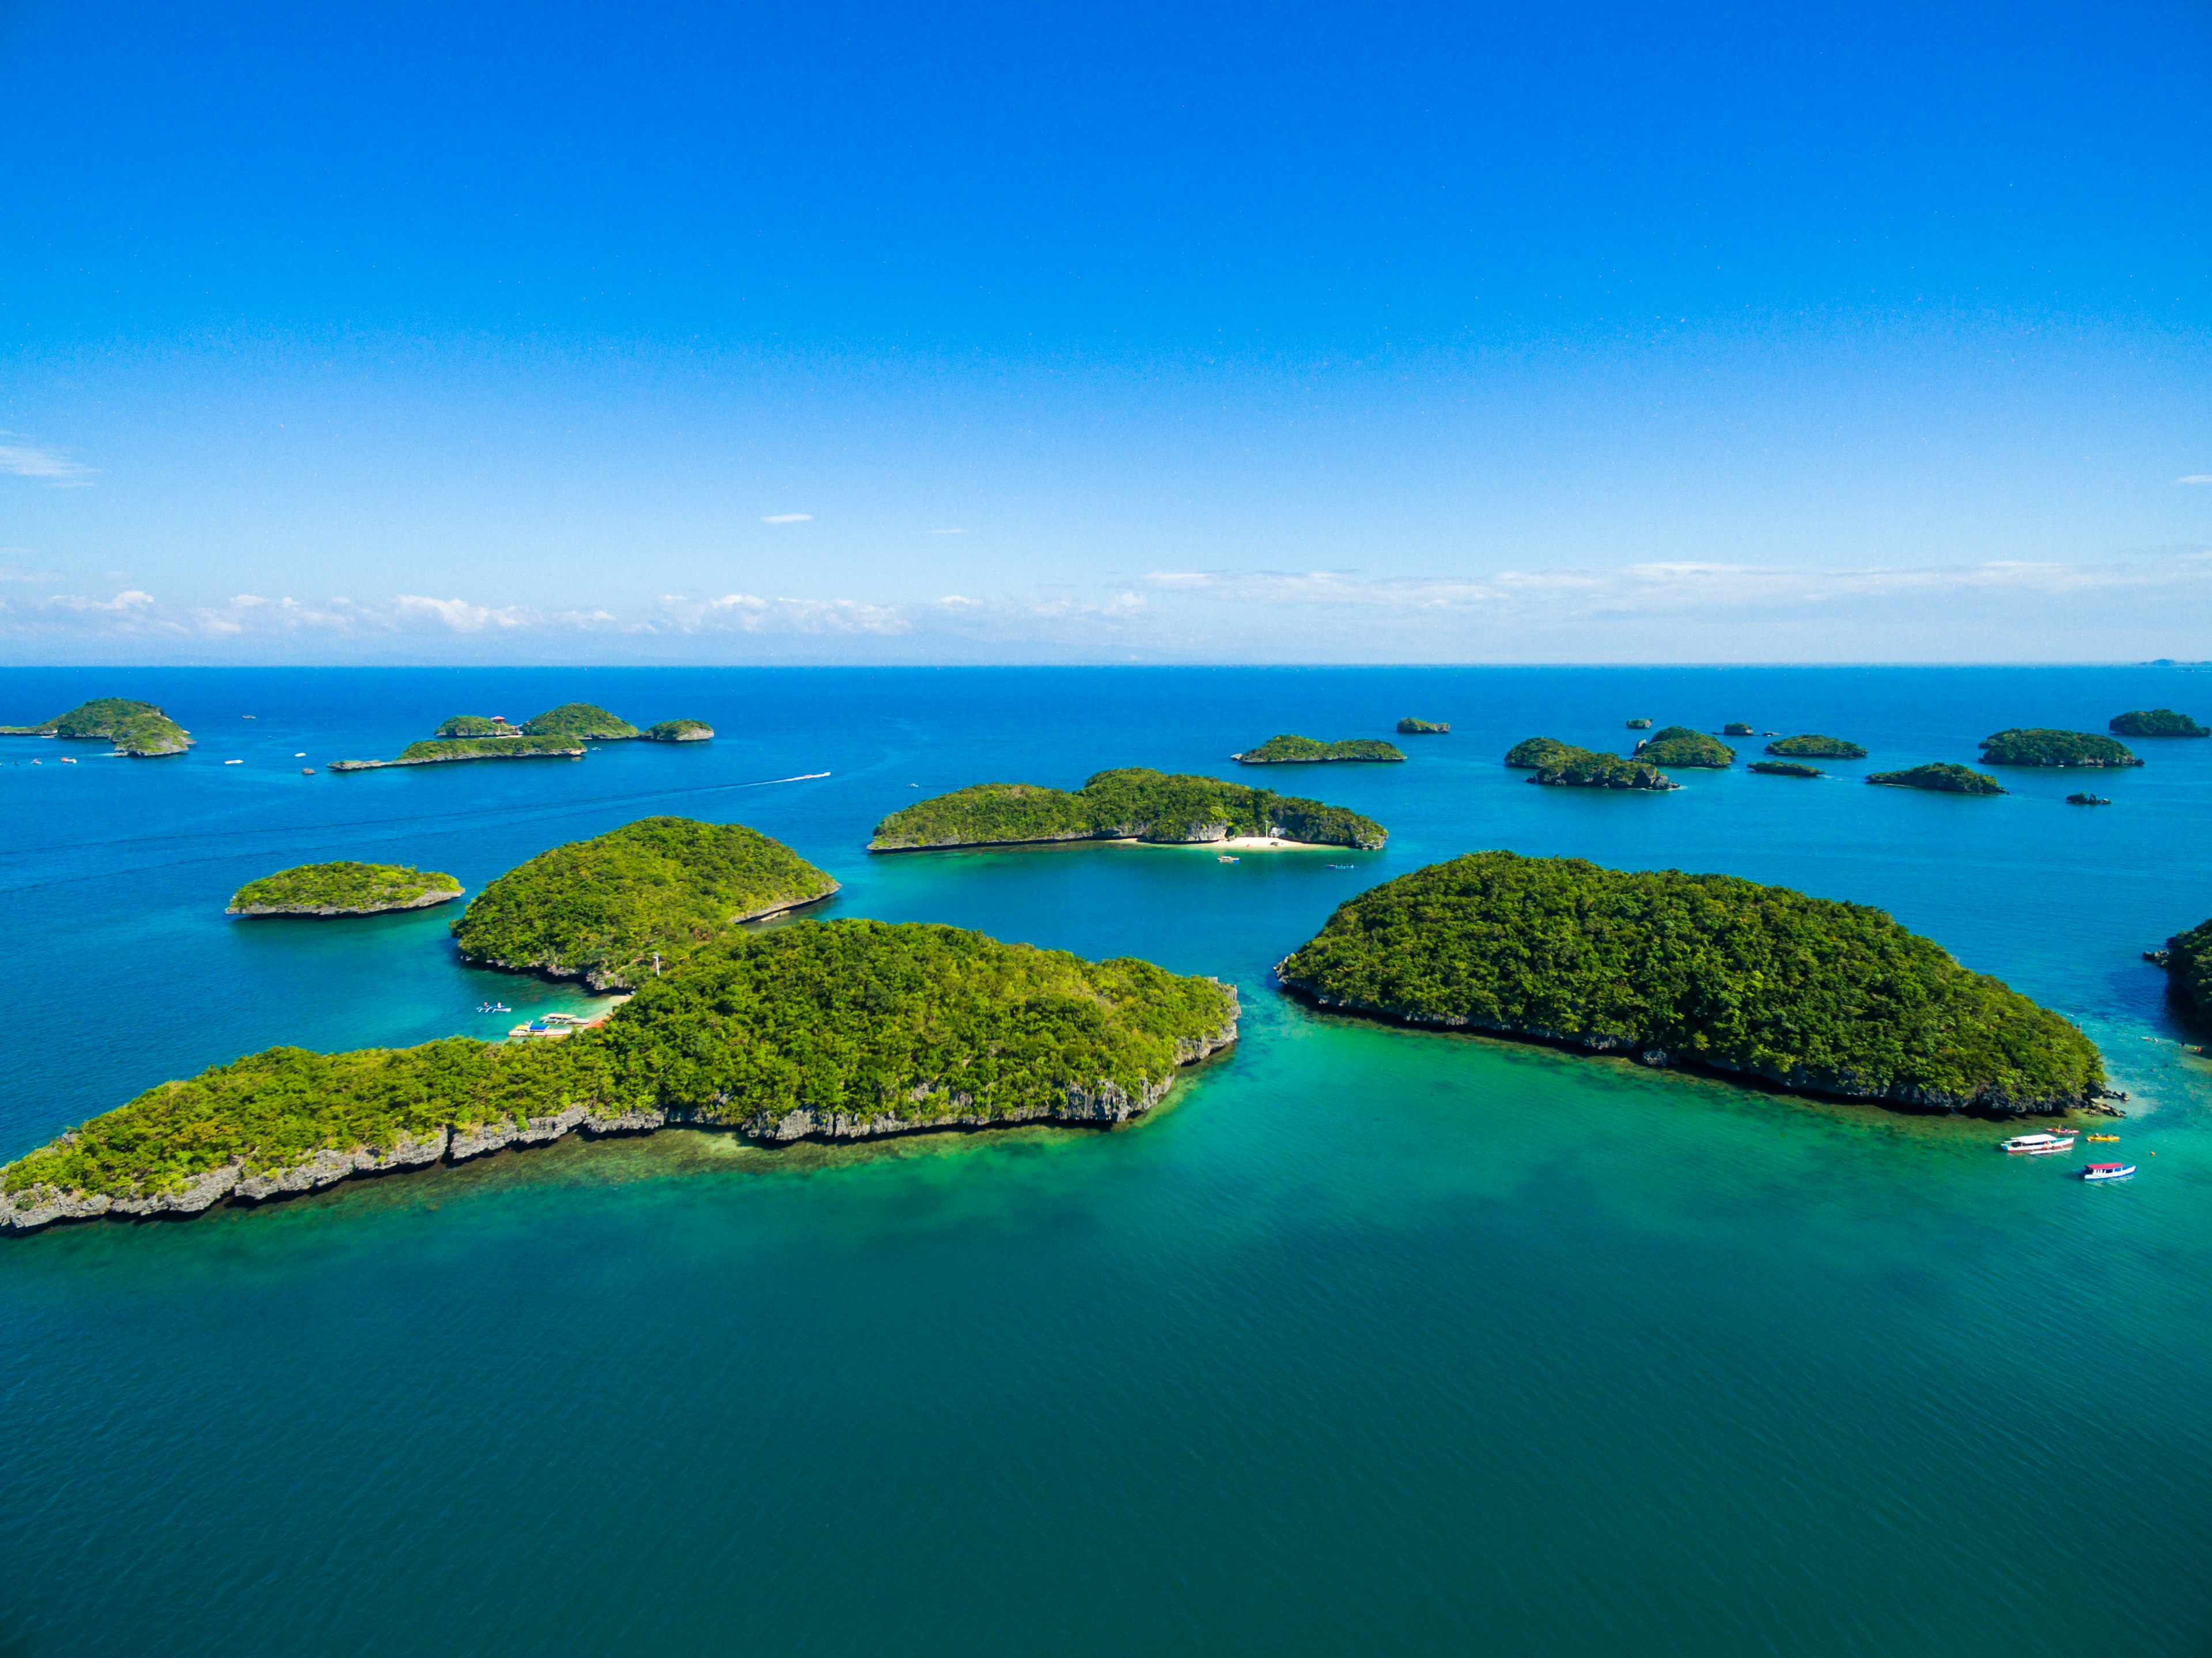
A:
(748, 613)
(2196, 478)
(28, 460)
(789, 518)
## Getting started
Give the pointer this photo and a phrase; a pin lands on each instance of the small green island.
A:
(1942, 776)
(607, 909)
(2038, 746)
(1289, 751)
(1783, 769)
(1702, 971)
(1639, 724)
(1678, 746)
(1410, 726)
(2187, 959)
(478, 725)
(584, 719)
(1132, 803)
(821, 1030)
(446, 751)
(343, 889)
(137, 729)
(2155, 722)
(1563, 765)
(679, 731)
(1737, 728)
(1813, 746)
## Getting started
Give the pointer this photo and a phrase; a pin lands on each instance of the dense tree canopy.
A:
(344, 886)
(1133, 803)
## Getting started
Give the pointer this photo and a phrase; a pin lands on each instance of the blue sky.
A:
(1105, 334)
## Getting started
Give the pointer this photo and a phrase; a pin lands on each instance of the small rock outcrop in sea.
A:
(840, 1029)
(2155, 722)
(2088, 800)
(1942, 776)
(1704, 971)
(1737, 728)
(1639, 724)
(2043, 747)
(137, 729)
(1410, 726)
(1783, 769)
(343, 889)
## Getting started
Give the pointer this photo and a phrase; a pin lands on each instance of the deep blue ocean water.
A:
(1369, 1340)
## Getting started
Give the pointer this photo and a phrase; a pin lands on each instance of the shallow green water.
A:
(1371, 1340)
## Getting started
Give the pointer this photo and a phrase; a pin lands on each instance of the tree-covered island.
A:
(1639, 724)
(2187, 959)
(839, 1029)
(1783, 769)
(1410, 726)
(1736, 728)
(1813, 746)
(137, 729)
(478, 725)
(444, 750)
(583, 719)
(1942, 776)
(2155, 722)
(602, 910)
(1289, 751)
(1131, 804)
(679, 731)
(346, 888)
(2038, 746)
(1678, 746)
(1704, 971)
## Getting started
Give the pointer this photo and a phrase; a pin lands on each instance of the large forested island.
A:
(1678, 746)
(1813, 746)
(604, 909)
(1132, 803)
(2040, 746)
(1940, 776)
(842, 1029)
(582, 721)
(2155, 722)
(1563, 765)
(138, 729)
(1290, 751)
(346, 888)
(1699, 970)
(444, 750)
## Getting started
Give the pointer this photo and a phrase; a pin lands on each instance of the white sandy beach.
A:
(1239, 843)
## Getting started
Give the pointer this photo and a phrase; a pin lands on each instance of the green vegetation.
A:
(2041, 747)
(1783, 769)
(1132, 803)
(1413, 727)
(839, 1027)
(1813, 746)
(1288, 750)
(1678, 746)
(343, 889)
(1534, 753)
(1940, 775)
(1736, 728)
(579, 719)
(476, 725)
(1587, 769)
(2187, 959)
(1639, 724)
(603, 907)
(135, 728)
(440, 750)
(2156, 722)
(1698, 970)
(679, 731)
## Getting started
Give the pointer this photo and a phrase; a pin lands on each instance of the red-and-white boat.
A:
(2039, 1145)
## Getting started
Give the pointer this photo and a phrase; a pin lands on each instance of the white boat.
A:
(2108, 1171)
(237, 762)
(2039, 1145)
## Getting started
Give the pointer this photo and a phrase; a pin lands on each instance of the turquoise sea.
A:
(1370, 1341)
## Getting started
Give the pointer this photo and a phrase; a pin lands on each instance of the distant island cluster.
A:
(846, 1029)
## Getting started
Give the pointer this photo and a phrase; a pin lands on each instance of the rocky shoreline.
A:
(1106, 1103)
(425, 902)
(1830, 1085)
(577, 753)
